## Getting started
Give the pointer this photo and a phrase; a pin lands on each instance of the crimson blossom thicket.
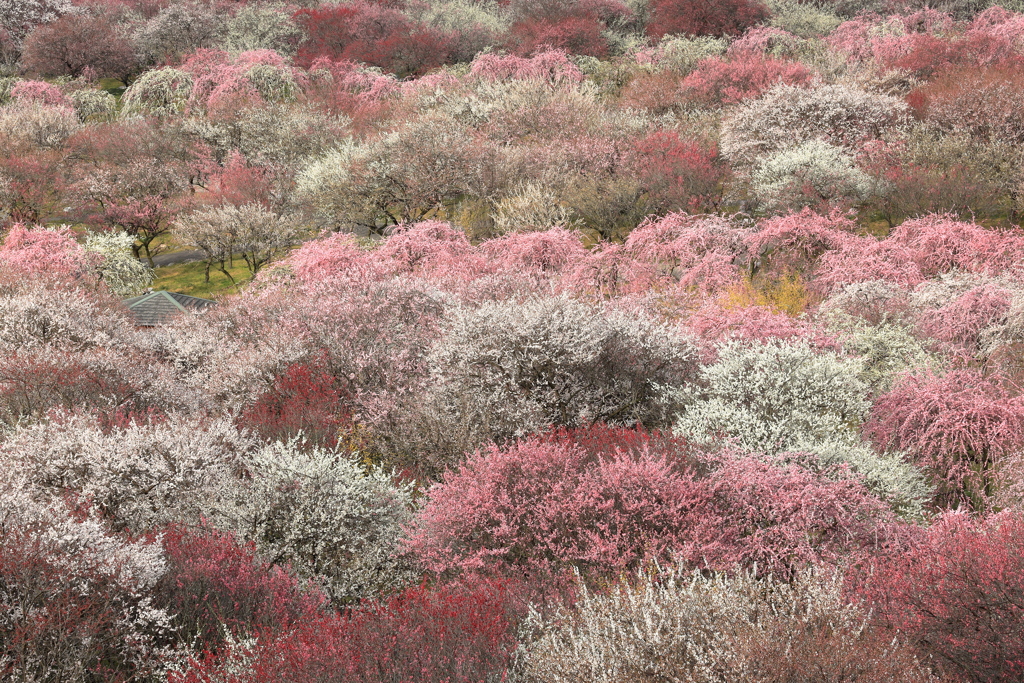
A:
(704, 17)
(542, 506)
(457, 633)
(956, 594)
(678, 174)
(982, 101)
(76, 45)
(936, 172)
(217, 588)
(34, 382)
(579, 35)
(302, 401)
(375, 34)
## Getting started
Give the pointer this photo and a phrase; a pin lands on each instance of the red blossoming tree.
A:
(704, 17)
(958, 595)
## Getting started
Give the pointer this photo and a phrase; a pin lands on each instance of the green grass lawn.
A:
(189, 278)
(112, 86)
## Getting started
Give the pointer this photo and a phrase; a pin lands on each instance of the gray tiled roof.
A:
(156, 308)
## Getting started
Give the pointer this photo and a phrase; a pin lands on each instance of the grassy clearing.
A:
(113, 86)
(189, 278)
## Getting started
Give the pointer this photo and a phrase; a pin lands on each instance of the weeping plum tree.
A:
(960, 426)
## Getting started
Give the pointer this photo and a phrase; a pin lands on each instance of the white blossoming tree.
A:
(675, 626)
(124, 274)
(775, 398)
(332, 518)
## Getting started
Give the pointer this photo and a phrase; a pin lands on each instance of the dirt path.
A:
(174, 258)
